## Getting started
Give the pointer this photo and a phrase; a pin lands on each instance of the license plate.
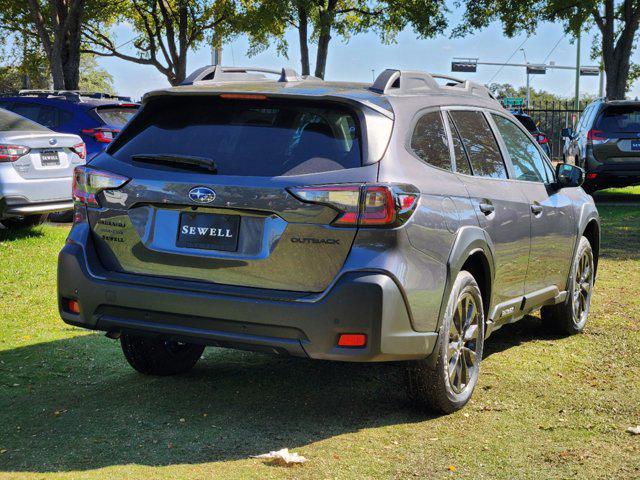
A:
(49, 159)
(208, 231)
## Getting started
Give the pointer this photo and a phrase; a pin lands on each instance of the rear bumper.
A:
(612, 174)
(22, 196)
(359, 302)
(20, 206)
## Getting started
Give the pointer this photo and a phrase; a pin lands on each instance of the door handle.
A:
(487, 208)
(536, 209)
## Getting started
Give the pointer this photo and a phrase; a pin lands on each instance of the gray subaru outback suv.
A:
(400, 221)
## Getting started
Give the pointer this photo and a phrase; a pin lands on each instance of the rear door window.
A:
(42, 114)
(619, 119)
(480, 144)
(246, 137)
(527, 161)
(429, 141)
(116, 116)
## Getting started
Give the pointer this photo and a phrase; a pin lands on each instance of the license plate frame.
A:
(49, 158)
(208, 231)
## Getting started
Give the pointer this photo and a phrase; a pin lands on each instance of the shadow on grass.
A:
(10, 235)
(76, 405)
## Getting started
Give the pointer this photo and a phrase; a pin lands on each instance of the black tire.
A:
(570, 316)
(154, 356)
(433, 388)
(17, 223)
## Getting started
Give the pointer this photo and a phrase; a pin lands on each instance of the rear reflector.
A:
(72, 306)
(591, 176)
(352, 340)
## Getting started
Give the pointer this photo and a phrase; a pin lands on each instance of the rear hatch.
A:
(616, 135)
(39, 153)
(209, 192)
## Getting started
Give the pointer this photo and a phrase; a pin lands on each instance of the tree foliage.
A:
(616, 22)
(317, 21)
(166, 31)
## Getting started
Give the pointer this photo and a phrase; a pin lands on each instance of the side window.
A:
(527, 160)
(462, 160)
(480, 144)
(429, 141)
(42, 114)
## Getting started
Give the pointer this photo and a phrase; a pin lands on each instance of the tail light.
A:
(11, 153)
(596, 137)
(88, 183)
(363, 205)
(102, 135)
(542, 138)
(592, 176)
(81, 150)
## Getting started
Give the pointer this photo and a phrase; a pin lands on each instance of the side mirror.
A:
(569, 175)
(567, 132)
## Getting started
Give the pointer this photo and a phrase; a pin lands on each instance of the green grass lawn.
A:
(627, 194)
(545, 407)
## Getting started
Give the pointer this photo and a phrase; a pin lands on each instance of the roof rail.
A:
(400, 82)
(219, 74)
(74, 94)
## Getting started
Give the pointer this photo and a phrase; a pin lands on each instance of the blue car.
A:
(95, 117)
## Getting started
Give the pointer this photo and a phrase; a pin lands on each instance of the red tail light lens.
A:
(11, 153)
(88, 182)
(80, 150)
(102, 135)
(592, 176)
(352, 340)
(365, 205)
(595, 137)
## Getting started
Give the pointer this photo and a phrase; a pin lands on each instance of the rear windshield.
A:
(10, 121)
(527, 122)
(246, 137)
(116, 116)
(619, 119)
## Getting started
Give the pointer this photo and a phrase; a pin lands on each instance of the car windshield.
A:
(619, 119)
(116, 116)
(10, 121)
(246, 137)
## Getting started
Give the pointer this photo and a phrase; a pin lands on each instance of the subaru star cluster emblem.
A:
(202, 195)
(52, 141)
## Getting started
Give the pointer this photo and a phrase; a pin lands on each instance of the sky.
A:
(363, 53)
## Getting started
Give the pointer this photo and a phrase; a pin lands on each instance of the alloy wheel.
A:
(582, 288)
(462, 355)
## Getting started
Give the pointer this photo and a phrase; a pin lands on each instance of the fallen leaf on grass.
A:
(282, 458)
(634, 430)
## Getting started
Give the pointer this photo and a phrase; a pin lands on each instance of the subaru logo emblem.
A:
(202, 195)
(52, 141)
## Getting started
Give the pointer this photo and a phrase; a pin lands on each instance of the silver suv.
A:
(400, 221)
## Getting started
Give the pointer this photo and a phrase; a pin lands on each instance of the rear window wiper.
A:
(191, 160)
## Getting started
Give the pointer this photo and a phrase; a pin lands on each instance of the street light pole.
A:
(528, 78)
(578, 73)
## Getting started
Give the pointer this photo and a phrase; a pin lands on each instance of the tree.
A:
(93, 78)
(617, 23)
(57, 27)
(166, 30)
(342, 17)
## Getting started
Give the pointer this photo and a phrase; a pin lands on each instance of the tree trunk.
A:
(324, 37)
(303, 35)
(71, 56)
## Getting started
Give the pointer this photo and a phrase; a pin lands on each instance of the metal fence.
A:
(551, 117)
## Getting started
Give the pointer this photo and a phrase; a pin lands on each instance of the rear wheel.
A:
(570, 317)
(448, 386)
(154, 356)
(16, 223)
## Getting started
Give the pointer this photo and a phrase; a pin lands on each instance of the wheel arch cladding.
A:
(592, 233)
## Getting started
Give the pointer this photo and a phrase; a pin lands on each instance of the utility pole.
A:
(528, 78)
(216, 50)
(578, 72)
(601, 87)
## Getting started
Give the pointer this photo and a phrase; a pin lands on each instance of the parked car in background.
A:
(36, 167)
(533, 129)
(404, 220)
(96, 117)
(606, 144)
